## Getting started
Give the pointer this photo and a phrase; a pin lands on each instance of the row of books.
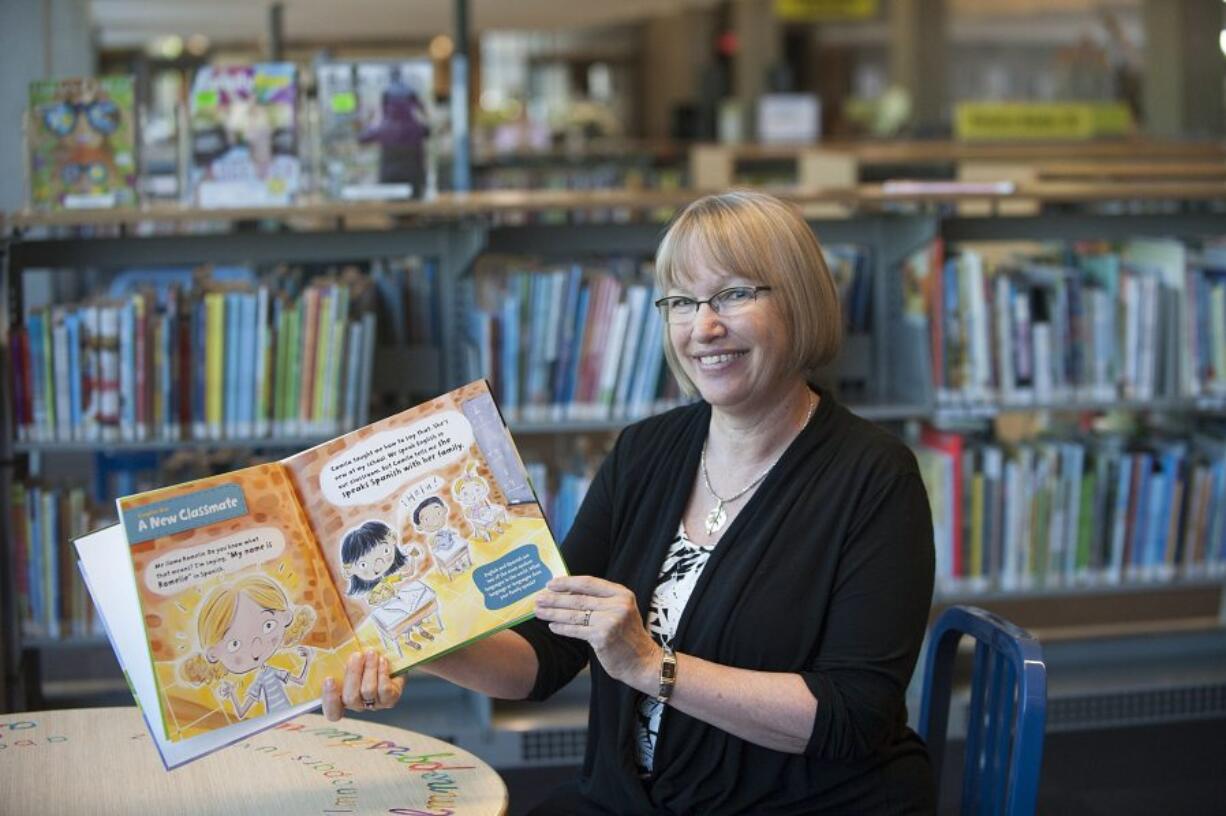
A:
(1089, 322)
(214, 361)
(1075, 511)
(579, 343)
(240, 140)
(51, 598)
(585, 342)
(559, 496)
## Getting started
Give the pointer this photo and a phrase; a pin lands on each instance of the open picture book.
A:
(229, 599)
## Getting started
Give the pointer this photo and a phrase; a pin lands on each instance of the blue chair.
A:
(1004, 731)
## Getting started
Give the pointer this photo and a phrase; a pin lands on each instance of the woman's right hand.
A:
(366, 680)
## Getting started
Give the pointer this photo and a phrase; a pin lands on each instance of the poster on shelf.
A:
(244, 136)
(375, 127)
(82, 143)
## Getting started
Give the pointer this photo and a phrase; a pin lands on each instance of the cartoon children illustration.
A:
(368, 555)
(241, 626)
(472, 492)
(448, 549)
(373, 564)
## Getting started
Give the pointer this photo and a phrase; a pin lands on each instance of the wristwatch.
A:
(668, 675)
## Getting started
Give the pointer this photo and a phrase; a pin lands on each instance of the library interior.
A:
(255, 234)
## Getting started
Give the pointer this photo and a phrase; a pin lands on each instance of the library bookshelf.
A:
(458, 230)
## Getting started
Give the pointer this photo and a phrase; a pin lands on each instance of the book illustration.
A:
(240, 627)
(229, 599)
(395, 537)
(82, 143)
(472, 492)
(244, 135)
(376, 567)
(449, 552)
(237, 606)
(375, 128)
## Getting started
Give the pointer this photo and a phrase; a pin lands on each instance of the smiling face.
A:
(433, 517)
(376, 562)
(253, 636)
(471, 492)
(738, 362)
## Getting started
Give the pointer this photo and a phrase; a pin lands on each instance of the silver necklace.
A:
(718, 516)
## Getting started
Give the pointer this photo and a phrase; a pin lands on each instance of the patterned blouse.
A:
(678, 575)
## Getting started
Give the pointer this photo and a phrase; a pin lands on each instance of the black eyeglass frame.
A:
(664, 301)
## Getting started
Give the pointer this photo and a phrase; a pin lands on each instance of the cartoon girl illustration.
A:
(372, 562)
(448, 550)
(241, 626)
(368, 555)
(472, 492)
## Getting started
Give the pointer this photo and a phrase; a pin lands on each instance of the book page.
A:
(107, 571)
(429, 525)
(241, 617)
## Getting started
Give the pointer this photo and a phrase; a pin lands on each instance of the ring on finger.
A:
(368, 704)
(587, 618)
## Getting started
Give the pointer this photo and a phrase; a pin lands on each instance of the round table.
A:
(102, 761)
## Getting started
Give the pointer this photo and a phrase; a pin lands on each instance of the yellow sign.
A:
(1001, 121)
(820, 11)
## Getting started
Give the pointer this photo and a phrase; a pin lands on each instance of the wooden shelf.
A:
(333, 216)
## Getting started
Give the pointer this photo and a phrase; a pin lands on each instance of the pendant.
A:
(716, 518)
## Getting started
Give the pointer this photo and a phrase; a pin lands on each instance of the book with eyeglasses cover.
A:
(82, 143)
(229, 599)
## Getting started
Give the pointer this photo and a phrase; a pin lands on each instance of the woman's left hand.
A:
(606, 615)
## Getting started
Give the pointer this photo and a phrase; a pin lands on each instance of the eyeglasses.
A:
(679, 309)
(103, 116)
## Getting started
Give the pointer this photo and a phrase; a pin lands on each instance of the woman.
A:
(778, 548)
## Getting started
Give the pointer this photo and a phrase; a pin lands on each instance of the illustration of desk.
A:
(101, 761)
(450, 552)
(405, 612)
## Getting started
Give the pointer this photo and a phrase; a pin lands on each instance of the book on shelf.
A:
(82, 143)
(229, 599)
(217, 360)
(1085, 323)
(1074, 511)
(244, 135)
(375, 125)
(51, 598)
(573, 343)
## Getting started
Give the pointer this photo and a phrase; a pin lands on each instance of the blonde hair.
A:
(217, 613)
(469, 476)
(759, 238)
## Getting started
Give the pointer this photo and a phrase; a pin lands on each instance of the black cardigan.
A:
(826, 572)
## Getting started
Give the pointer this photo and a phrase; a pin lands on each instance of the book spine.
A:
(323, 350)
(263, 368)
(368, 367)
(141, 384)
(215, 350)
(310, 342)
(233, 352)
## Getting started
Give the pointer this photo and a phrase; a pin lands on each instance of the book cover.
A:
(234, 596)
(244, 135)
(82, 142)
(374, 120)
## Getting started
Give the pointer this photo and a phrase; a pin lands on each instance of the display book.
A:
(244, 135)
(229, 599)
(81, 139)
(374, 129)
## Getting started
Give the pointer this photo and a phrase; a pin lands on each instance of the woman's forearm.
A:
(503, 665)
(773, 709)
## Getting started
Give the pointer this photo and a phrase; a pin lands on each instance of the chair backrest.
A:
(1008, 709)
